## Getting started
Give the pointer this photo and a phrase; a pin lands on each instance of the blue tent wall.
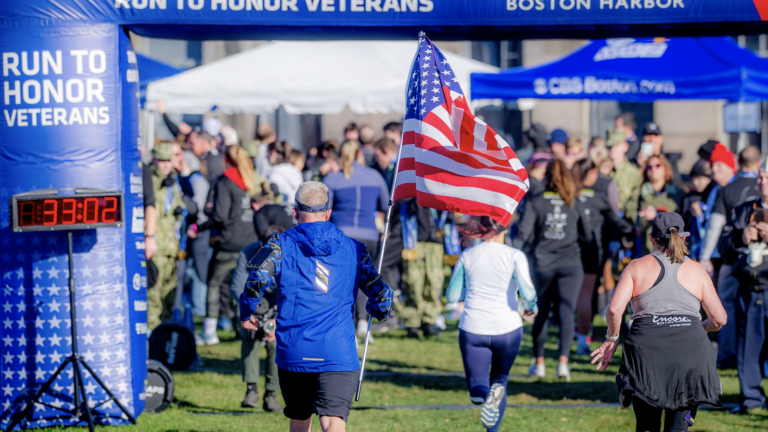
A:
(637, 70)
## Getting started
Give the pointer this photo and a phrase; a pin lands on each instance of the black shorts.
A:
(321, 393)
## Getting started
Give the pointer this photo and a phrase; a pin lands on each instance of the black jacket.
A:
(428, 231)
(686, 206)
(213, 165)
(554, 229)
(735, 250)
(598, 211)
(739, 191)
(232, 217)
(272, 214)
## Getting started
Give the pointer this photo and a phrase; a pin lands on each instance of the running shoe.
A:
(537, 370)
(583, 350)
(225, 324)
(430, 330)
(489, 415)
(564, 372)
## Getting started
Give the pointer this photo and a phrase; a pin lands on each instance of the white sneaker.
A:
(489, 414)
(203, 340)
(564, 372)
(208, 336)
(537, 370)
(440, 322)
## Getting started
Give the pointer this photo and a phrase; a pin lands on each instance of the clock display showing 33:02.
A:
(68, 211)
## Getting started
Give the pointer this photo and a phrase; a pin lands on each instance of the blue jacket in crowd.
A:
(318, 271)
(355, 201)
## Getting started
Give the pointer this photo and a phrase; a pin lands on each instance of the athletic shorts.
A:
(321, 393)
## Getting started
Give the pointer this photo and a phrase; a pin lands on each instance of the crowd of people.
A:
(601, 204)
(213, 200)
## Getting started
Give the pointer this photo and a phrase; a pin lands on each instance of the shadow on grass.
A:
(197, 409)
(394, 364)
(593, 391)
(596, 391)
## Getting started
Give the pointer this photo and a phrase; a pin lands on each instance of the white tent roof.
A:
(303, 77)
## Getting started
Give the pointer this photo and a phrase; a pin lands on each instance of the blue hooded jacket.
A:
(318, 271)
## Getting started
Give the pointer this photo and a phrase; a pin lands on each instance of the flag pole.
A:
(422, 35)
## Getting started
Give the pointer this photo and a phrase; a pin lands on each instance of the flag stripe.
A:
(449, 159)
(473, 161)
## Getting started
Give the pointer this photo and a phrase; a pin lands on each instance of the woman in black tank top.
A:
(668, 364)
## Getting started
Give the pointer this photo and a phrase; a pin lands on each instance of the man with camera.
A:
(249, 350)
(317, 270)
(747, 246)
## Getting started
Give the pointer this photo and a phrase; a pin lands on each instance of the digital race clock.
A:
(66, 209)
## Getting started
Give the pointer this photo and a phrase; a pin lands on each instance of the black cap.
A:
(537, 133)
(651, 129)
(706, 149)
(665, 221)
(701, 169)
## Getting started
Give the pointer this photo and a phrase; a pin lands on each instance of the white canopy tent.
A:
(303, 77)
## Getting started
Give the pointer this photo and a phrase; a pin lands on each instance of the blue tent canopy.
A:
(637, 70)
(152, 70)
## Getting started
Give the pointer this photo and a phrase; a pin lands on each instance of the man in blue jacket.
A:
(318, 271)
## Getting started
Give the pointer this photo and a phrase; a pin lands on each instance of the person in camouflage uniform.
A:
(423, 273)
(169, 205)
(627, 177)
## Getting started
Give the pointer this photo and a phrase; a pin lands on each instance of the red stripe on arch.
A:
(762, 8)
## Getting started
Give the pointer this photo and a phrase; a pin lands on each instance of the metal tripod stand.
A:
(81, 409)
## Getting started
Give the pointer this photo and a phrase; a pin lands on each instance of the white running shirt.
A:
(489, 275)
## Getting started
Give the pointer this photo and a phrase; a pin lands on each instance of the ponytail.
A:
(485, 229)
(673, 246)
(238, 157)
(349, 152)
(676, 249)
(282, 149)
(560, 180)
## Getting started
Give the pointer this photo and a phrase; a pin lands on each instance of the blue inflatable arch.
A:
(70, 87)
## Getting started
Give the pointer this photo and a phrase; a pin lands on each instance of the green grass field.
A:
(425, 372)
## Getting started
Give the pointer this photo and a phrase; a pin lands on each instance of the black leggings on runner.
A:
(648, 417)
(559, 287)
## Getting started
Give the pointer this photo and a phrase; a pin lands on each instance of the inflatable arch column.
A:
(70, 120)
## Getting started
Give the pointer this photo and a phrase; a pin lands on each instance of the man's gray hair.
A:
(312, 194)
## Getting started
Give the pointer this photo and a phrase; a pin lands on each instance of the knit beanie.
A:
(722, 154)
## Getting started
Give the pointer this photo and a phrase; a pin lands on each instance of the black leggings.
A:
(561, 287)
(648, 417)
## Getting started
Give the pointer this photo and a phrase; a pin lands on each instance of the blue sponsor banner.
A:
(61, 128)
(638, 70)
(355, 17)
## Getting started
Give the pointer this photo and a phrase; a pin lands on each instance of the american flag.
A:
(451, 160)
(35, 324)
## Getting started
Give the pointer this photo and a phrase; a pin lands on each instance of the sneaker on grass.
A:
(537, 370)
(489, 415)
